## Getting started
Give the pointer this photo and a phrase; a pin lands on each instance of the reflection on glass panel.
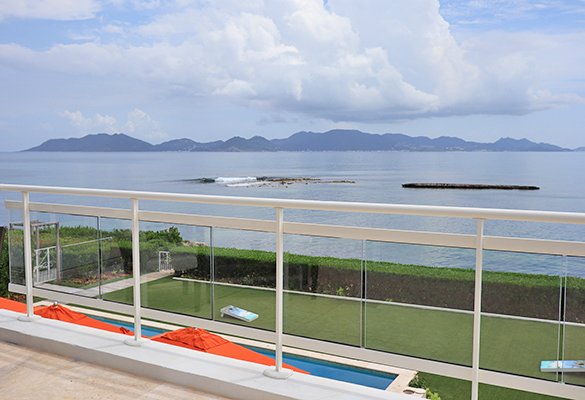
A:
(323, 279)
(525, 328)
(65, 253)
(573, 314)
(175, 268)
(115, 248)
(416, 309)
(16, 248)
(244, 275)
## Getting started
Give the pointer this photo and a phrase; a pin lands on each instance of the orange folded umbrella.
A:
(201, 340)
(12, 305)
(58, 312)
(191, 338)
(61, 313)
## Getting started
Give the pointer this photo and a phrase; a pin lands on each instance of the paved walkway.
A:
(105, 288)
(27, 374)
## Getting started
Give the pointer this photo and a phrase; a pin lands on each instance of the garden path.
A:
(106, 287)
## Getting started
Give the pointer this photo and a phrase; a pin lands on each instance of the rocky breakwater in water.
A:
(268, 181)
(476, 186)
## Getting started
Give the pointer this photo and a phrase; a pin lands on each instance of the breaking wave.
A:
(230, 180)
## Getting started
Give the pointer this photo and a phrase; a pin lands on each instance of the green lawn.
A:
(455, 389)
(507, 345)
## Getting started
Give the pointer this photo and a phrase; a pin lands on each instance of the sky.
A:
(212, 69)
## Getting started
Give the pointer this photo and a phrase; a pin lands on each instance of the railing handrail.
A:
(516, 244)
(315, 205)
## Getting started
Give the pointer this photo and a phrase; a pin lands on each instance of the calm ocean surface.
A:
(378, 177)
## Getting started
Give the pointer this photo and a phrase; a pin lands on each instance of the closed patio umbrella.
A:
(12, 305)
(202, 340)
(61, 313)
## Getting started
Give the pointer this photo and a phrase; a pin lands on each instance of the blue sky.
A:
(209, 70)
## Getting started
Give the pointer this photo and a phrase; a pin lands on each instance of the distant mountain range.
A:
(334, 140)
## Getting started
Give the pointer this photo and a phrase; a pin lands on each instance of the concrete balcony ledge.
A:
(205, 372)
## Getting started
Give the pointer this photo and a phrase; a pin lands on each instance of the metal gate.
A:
(164, 261)
(45, 264)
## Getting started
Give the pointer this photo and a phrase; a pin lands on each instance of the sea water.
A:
(375, 176)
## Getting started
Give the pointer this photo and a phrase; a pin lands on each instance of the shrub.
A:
(4, 278)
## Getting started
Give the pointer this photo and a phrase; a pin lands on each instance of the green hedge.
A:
(529, 295)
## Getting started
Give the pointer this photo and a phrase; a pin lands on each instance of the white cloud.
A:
(529, 57)
(145, 4)
(496, 11)
(370, 60)
(138, 124)
(49, 9)
(142, 125)
(97, 123)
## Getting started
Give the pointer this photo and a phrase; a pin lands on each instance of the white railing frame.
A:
(457, 240)
(477, 310)
(278, 372)
(137, 303)
(479, 242)
(375, 208)
(28, 267)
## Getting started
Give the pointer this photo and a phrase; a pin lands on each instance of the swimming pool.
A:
(332, 370)
(146, 330)
(324, 369)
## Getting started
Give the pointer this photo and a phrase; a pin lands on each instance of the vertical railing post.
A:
(137, 340)
(278, 372)
(28, 268)
(477, 309)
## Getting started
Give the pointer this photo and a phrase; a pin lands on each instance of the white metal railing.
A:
(478, 241)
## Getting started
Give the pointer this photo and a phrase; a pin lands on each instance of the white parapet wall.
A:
(205, 372)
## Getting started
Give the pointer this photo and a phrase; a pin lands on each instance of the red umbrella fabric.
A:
(12, 305)
(202, 340)
(61, 313)
(191, 338)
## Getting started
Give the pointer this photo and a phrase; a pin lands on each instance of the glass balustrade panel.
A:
(65, 253)
(174, 268)
(520, 312)
(243, 277)
(16, 248)
(572, 344)
(115, 249)
(324, 288)
(419, 301)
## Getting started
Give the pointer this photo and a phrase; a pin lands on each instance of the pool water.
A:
(146, 330)
(324, 369)
(332, 370)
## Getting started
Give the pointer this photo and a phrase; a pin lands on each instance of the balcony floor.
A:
(29, 374)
